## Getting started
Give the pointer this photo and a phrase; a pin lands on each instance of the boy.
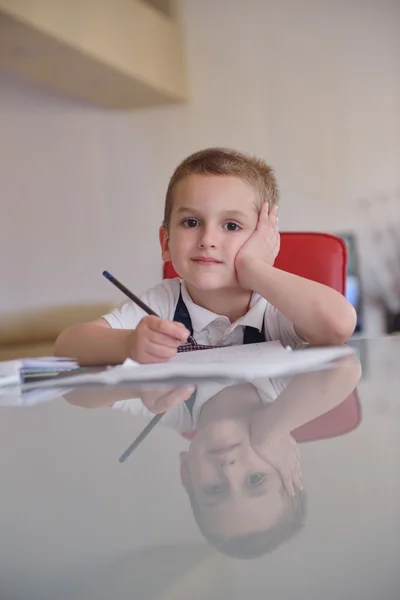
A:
(220, 231)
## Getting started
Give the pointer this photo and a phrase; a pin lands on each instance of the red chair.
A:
(320, 257)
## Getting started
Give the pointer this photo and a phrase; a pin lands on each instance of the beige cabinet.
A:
(120, 54)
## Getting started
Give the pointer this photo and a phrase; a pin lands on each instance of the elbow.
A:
(341, 326)
(59, 347)
(335, 327)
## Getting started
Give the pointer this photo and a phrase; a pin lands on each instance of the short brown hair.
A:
(254, 545)
(223, 161)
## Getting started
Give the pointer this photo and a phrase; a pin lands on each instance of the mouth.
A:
(206, 260)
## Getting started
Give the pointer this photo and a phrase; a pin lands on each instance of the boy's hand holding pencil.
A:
(155, 340)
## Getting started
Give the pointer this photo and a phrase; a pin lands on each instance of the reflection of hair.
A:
(223, 161)
(253, 545)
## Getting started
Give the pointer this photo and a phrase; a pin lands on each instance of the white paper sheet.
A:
(236, 362)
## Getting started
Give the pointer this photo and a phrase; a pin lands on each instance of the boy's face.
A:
(212, 217)
(236, 491)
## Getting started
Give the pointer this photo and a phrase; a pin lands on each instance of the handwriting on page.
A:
(231, 354)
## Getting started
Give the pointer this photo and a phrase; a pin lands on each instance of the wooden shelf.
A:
(120, 54)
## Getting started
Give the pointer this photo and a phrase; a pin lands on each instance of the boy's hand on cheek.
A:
(281, 451)
(262, 246)
(155, 340)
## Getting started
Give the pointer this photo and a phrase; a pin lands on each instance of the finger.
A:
(169, 328)
(296, 468)
(293, 452)
(277, 247)
(284, 472)
(296, 472)
(172, 398)
(154, 337)
(297, 479)
(150, 359)
(159, 353)
(273, 218)
(149, 398)
(263, 217)
(295, 448)
(287, 481)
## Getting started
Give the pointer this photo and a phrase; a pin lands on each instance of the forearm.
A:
(101, 396)
(307, 397)
(91, 344)
(320, 314)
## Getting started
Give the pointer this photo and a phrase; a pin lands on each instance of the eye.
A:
(212, 490)
(256, 479)
(232, 226)
(190, 222)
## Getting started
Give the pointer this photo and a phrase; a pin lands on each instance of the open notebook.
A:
(268, 359)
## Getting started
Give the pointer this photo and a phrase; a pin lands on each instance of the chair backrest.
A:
(318, 256)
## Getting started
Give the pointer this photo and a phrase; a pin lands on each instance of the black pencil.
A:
(141, 437)
(137, 300)
(130, 294)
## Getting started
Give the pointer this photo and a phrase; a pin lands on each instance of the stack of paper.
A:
(268, 359)
(30, 369)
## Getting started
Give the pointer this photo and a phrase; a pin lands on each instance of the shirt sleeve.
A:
(278, 327)
(270, 389)
(134, 406)
(162, 299)
(177, 418)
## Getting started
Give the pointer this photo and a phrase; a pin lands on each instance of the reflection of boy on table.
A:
(242, 469)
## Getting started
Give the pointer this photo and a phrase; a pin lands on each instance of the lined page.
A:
(231, 354)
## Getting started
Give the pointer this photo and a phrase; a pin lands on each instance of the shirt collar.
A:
(255, 315)
(202, 317)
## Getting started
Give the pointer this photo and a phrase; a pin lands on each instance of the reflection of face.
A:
(236, 491)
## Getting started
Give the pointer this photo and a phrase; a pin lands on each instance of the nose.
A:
(226, 461)
(207, 239)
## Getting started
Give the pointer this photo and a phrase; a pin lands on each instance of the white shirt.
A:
(209, 328)
(179, 417)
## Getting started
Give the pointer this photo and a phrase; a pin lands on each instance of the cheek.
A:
(239, 240)
(180, 238)
(256, 463)
(201, 471)
(200, 467)
(176, 247)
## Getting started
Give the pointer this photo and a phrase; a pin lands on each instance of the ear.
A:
(164, 243)
(185, 473)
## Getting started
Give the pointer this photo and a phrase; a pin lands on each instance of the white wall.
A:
(311, 85)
